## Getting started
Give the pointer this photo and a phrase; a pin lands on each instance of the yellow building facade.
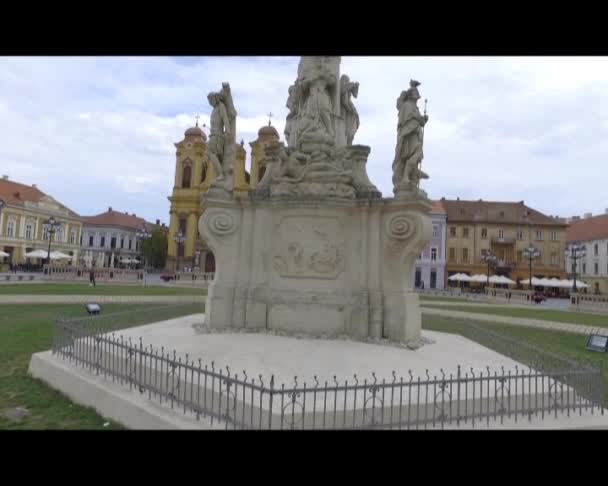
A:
(193, 175)
(23, 210)
(505, 229)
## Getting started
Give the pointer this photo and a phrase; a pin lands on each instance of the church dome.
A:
(267, 132)
(195, 132)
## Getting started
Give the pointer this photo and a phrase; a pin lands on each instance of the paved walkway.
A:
(518, 321)
(101, 299)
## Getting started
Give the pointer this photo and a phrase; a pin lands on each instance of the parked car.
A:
(167, 277)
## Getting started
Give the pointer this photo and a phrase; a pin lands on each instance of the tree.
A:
(155, 249)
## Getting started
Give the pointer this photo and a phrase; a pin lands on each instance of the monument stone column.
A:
(315, 248)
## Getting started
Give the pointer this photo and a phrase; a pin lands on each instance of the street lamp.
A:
(179, 239)
(489, 258)
(531, 253)
(575, 251)
(142, 234)
(51, 225)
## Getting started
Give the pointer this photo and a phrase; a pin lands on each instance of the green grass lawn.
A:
(568, 345)
(82, 288)
(27, 329)
(543, 314)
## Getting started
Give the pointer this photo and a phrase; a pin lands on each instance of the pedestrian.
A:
(92, 277)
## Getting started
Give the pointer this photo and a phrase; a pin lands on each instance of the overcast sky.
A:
(95, 132)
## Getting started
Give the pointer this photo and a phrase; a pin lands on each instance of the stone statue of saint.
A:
(222, 133)
(293, 102)
(318, 106)
(408, 153)
(351, 117)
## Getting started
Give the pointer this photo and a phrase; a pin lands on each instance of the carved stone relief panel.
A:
(309, 247)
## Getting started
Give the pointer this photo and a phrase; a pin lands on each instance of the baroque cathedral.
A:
(193, 175)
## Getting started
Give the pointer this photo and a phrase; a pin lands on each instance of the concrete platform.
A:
(286, 358)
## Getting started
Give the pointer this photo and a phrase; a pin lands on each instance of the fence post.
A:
(270, 402)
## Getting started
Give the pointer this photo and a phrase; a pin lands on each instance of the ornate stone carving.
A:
(348, 110)
(309, 248)
(221, 223)
(222, 136)
(410, 133)
(399, 226)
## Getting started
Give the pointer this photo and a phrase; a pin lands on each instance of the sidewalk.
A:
(101, 299)
(518, 321)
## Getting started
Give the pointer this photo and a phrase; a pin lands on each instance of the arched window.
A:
(11, 227)
(186, 176)
(29, 230)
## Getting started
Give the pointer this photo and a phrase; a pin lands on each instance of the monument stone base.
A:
(326, 266)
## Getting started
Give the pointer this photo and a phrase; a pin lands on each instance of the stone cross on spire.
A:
(197, 117)
(270, 115)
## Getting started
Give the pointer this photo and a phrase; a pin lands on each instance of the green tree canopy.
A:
(155, 249)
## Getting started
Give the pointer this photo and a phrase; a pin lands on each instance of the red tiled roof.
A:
(17, 194)
(496, 212)
(115, 218)
(594, 228)
(438, 208)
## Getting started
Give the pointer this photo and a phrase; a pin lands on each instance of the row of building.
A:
(462, 230)
(109, 239)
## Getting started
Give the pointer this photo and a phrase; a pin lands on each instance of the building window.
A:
(73, 238)
(122, 243)
(417, 278)
(10, 228)
(452, 254)
(113, 242)
(130, 243)
(453, 232)
(539, 235)
(29, 231)
(553, 235)
(520, 235)
(465, 232)
(91, 240)
(484, 233)
(45, 233)
(433, 282)
(465, 254)
(584, 268)
(186, 176)
(435, 231)
(103, 241)
(554, 261)
(434, 254)
(501, 233)
(596, 268)
(59, 235)
(596, 249)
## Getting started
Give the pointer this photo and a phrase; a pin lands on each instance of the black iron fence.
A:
(467, 397)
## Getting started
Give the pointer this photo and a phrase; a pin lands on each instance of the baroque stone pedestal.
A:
(316, 266)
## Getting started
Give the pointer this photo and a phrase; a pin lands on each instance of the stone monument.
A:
(315, 249)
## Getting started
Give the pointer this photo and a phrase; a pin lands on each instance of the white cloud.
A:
(98, 132)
